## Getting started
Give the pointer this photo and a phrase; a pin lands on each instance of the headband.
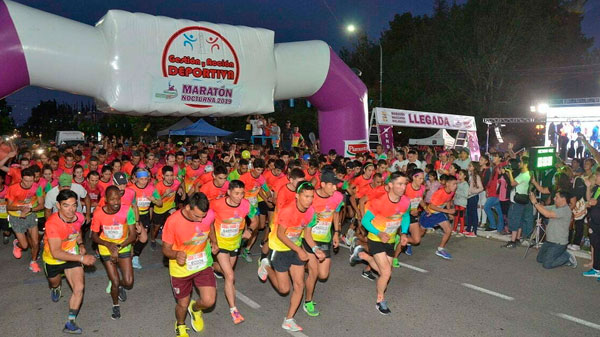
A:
(142, 174)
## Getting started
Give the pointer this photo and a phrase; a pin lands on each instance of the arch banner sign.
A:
(421, 119)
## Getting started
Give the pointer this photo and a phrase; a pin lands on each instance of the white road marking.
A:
(579, 320)
(412, 267)
(247, 300)
(296, 333)
(489, 292)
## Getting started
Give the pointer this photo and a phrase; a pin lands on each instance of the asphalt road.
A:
(484, 291)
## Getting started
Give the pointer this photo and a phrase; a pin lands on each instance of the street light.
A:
(351, 29)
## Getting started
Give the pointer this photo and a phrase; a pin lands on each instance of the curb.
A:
(505, 238)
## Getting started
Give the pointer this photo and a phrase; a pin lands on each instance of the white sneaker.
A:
(574, 247)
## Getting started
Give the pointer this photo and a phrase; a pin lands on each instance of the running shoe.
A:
(310, 310)
(443, 253)
(5, 239)
(460, 234)
(262, 269)
(510, 244)
(236, 316)
(135, 262)
(55, 294)
(245, 254)
(591, 273)
(369, 275)
(572, 261)
(353, 243)
(383, 308)
(17, 252)
(395, 263)
(408, 250)
(574, 247)
(122, 294)
(34, 267)
(354, 258)
(108, 287)
(196, 316)
(72, 328)
(181, 330)
(290, 325)
(153, 245)
(218, 275)
(470, 235)
(116, 312)
(349, 235)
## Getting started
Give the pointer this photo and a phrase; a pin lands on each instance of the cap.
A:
(119, 178)
(179, 143)
(464, 149)
(135, 153)
(65, 180)
(328, 176)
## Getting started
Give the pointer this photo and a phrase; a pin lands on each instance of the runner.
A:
(64, 253)
(217, 187)
(23, 201)
(186, 244)
(229, 229)
(435, 214)
(414, 192)
(167, 188)
(145, 195)
(384, 215)
(287, 258)
(3, 213)
(255, 185)
(113, 229)
(327, 204)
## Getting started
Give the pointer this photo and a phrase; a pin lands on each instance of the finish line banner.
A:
(420, 119)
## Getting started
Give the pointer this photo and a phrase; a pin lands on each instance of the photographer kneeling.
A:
(553, 252)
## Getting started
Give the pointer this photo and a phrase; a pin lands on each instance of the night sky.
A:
(292, 20)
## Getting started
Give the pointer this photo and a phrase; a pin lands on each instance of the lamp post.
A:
(351, 29)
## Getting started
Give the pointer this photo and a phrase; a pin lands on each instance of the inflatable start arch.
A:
(139, 64)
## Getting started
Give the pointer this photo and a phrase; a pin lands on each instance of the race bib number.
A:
(391, 227)
(2, 208)
(229, 230)
(113, 232)
(414, 203)
(253, 201)
(196, 261)
(321, 228)
(144, 202)
(294, 235)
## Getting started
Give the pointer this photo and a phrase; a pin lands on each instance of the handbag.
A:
(522, 199)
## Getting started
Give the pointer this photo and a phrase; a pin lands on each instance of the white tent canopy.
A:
(440, 138)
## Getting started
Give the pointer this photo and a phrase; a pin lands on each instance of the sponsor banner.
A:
(386, 134)
(353, 147)
(420, 119)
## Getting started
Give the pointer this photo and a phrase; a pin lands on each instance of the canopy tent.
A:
(201, 129)
(182, 123)
(440, 138)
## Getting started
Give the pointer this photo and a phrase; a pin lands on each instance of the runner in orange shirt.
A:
(217, 187)
(64, 253)
(186, 245)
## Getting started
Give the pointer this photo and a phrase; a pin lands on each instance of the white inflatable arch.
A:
(140, 64)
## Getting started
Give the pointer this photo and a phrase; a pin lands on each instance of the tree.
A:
(485, 58)
(7, 123)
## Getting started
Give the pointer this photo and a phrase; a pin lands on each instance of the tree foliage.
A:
(7, 123)
(485, 58)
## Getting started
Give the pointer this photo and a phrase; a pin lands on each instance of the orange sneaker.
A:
(236, 316)
(17, 252)
(34, 267)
